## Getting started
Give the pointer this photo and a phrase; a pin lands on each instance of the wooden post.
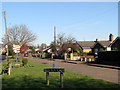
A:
(47, 78)
(61, 79)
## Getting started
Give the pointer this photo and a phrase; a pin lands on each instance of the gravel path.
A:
(107, 74)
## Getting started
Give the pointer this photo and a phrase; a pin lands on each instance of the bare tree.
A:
(43, 46)
(38, 46)
(20, 34)
(61, 39)
(70, 39)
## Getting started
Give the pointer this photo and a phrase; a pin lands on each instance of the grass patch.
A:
(34, 77)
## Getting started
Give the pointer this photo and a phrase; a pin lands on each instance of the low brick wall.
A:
(76, 57)
(109, 57)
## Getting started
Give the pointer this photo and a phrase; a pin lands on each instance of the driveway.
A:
(107, 74)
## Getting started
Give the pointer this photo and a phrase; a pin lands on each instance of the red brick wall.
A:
(87, 50)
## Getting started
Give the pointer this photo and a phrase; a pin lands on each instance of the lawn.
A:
(34, 77)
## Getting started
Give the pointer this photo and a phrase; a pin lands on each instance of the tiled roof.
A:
(86, 44)
(74, 45)
(89, 44)
(105, 43)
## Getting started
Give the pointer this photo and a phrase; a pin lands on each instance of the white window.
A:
(108, 48)
(101, 49)
(96, 53)
(96, 50)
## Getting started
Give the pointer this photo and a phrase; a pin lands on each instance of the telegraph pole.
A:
(55, 38)
(6, 35)
(119, 18)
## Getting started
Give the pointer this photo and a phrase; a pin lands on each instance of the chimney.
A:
(111, 37)
(96, 39)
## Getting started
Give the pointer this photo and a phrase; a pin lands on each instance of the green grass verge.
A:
(34, 77)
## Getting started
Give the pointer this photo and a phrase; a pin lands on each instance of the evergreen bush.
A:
(24, 61)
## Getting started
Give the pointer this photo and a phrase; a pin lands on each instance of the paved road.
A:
(107, 74)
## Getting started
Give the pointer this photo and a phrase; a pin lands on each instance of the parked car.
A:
(26, 55)
(33, 55)
(38, 55)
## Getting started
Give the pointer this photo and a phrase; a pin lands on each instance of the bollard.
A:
(89, 59)
(85, 59)
(53, 65)
(81, 59)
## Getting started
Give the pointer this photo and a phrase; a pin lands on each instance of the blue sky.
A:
(83, 20)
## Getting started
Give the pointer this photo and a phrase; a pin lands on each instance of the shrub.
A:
(18, 59)
(17, 66)
(5, 65)
(75, 54)
(3, 53)
(24, 61)
(68, 55)
(78, 51)
(84, 53)
(20, 65)
(43, 55)
(13, 57)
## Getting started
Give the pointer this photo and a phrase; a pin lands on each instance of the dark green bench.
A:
(5, 70)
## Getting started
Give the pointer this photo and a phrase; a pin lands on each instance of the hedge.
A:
(110, 57)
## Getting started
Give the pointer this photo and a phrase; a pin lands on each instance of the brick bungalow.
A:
(115, 45)
(65, 46)
(69, 48)
(86, 45)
